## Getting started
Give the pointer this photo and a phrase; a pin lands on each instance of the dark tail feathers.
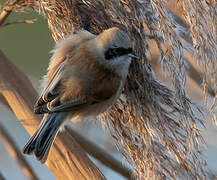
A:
(40, 143)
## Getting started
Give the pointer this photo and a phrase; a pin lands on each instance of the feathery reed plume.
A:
(202, 14)
(155, 128)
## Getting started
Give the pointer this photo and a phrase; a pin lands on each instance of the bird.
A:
(86, 76)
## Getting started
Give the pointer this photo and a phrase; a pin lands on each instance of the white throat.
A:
(119, 65)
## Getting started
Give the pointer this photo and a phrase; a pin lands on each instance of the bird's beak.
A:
(133, 55)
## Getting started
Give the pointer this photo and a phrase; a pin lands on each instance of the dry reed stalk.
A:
(100, 154)
(67, 160)
(156, 129)
(15, 152)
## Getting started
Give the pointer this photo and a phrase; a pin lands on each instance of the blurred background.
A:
(29, 46)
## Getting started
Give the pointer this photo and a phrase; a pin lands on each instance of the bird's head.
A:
(113, 49)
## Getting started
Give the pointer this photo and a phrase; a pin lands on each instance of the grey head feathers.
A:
(112, 48)
(110, 44)
(114, 37)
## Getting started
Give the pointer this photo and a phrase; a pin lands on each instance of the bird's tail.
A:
(40, 143)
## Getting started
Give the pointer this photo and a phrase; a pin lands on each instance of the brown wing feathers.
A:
(99, 90)
(50, 97)
(46, 103)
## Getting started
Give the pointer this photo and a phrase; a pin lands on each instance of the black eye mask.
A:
(117, 52)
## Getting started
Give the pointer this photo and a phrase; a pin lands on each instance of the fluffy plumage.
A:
(81, 82)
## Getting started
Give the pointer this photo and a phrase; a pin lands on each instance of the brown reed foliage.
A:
(155, 128)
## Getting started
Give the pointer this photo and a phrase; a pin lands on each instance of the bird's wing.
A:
(50, 102)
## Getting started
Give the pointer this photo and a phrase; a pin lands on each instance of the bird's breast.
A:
(86, 79)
